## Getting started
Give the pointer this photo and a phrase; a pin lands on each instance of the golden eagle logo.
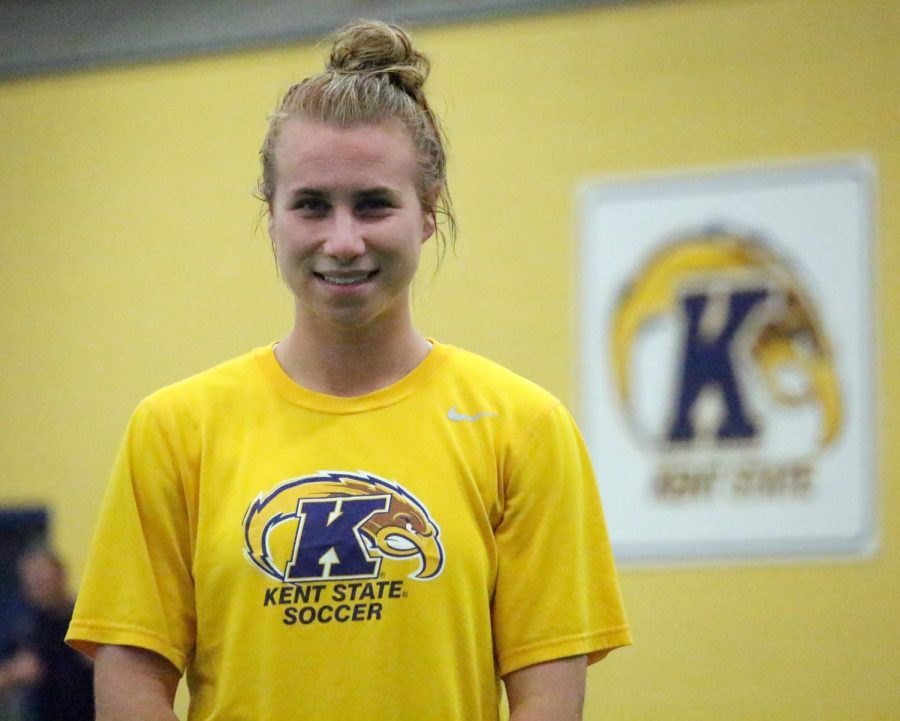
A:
(337, 525)
(733, 294)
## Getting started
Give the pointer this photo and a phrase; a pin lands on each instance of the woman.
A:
(357, 522)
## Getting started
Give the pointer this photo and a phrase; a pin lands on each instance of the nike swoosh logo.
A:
(455, 415)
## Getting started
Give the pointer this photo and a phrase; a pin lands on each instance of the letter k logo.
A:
(328, 543)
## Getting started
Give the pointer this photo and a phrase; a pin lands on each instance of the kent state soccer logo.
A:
(338, 525)
(723, 368)
(324, 539)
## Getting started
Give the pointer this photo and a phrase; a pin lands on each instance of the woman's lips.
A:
(345, 278)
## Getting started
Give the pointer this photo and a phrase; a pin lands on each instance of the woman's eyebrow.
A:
(378, 192)
(306, 193)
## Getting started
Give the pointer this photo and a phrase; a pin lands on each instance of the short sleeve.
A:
(137, 589)
(557, 593)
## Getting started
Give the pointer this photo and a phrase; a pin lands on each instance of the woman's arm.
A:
(133, 684)
(551, 691)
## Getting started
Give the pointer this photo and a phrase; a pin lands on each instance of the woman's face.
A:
(346, 221)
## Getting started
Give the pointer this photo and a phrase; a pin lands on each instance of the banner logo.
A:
(742, 340)
(727, 371)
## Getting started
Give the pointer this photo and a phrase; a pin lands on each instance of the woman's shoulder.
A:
(485, 377)
(230, 378)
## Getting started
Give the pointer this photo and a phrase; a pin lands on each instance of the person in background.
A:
(55, 682)
(358, 521)
(19, 670)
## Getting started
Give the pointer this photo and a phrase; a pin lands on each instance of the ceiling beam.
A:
(48, 36)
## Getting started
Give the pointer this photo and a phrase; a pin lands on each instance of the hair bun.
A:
(370, 47)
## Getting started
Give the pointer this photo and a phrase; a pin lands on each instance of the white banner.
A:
(727, 361)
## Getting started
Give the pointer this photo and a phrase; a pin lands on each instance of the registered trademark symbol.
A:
(382, 574)
(406, 594)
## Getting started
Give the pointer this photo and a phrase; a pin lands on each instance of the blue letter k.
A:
(329, 543)
(709, 363)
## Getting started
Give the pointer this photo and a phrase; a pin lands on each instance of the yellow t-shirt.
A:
(388, 556)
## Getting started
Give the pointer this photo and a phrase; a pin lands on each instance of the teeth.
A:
(345, 279)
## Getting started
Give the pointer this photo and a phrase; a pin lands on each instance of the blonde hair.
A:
(374, 74)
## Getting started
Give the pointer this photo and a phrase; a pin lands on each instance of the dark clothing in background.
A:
(65, 691)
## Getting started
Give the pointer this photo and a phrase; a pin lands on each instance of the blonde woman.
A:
(355, 522)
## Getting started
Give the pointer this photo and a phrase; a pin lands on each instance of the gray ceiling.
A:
(42, 36)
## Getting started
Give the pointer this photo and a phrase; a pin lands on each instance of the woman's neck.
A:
(350, 361)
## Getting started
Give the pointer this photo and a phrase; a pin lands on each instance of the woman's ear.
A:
(270, 221)
(428, 208)
(429, 226)
(270, 227)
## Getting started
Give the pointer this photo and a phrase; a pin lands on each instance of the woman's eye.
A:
(373, 206)
(311, 206)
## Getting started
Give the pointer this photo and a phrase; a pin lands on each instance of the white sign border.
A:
(861, 169)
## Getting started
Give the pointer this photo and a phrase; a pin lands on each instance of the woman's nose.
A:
(345, 238)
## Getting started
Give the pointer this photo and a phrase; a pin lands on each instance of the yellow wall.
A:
(130, 258)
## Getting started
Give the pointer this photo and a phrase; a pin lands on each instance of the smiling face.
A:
(346, 221)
